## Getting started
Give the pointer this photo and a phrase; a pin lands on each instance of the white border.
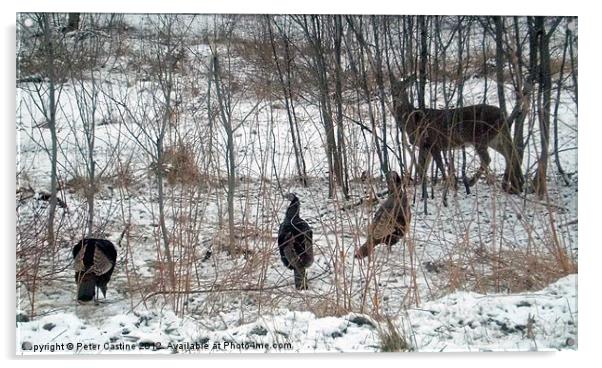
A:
(589, 132)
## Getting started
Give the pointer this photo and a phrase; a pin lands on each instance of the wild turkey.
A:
(295, 242)
(391, 220)
(94, 261)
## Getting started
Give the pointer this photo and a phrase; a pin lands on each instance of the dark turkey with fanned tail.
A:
(94, 262)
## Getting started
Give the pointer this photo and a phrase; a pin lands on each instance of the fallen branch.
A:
(220, 290)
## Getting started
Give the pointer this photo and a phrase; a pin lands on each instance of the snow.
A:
(461, 321)
(466, 321)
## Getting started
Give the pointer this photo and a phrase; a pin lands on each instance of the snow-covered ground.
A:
(461, 321)
(499, 246)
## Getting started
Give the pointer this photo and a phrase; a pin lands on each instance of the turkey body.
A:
(94, 262)
(295, 243)
(391, 220)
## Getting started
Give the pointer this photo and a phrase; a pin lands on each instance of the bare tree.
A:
(285, 79)
(380, 83)
(572, 42)
(423, 61)
(47, 97)
(151, 122)
(87, 55)
(500, 62)
(72, 22)
(224, 92)
(544, 101)
(225, 110)
(337, 31)
(559, 87)
(314, 29)
(358, 67)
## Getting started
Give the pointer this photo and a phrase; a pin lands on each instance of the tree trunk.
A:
(499, 61)
(556, 106)
(545, 88)
(162, 223)
(381, 92)
(363, 82)
(91, 187)
(341, 157)
(289, 104)
(523, 88)
(227, 122)
(72, 22)
(51, 121)
(314, 35)
(573, 66)
(423, 62)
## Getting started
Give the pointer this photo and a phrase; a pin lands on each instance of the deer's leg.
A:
(485, 160)
(439, 161)
(465, 180)
(513, 176)
(450, 163)
(423, 158)
(365, 250)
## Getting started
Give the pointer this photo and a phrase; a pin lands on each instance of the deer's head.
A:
(399, 88)
(401, 101)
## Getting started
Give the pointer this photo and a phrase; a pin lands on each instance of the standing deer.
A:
(433, 131)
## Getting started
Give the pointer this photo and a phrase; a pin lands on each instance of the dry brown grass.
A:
(392, 339)
(81, 185)
(180, 166)
(482, 64)
(556, 64)
(485, 271)
(124, 178)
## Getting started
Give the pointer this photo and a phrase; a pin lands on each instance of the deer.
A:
(435, 130)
